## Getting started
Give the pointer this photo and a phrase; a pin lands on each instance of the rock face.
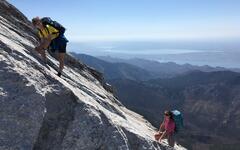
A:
(39, 110)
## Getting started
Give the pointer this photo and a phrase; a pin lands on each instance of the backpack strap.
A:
(40, 31)
(46, 29)
(52, 27)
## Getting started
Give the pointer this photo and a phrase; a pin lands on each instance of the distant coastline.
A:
(216, 54)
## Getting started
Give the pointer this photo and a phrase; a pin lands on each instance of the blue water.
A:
(224, 54)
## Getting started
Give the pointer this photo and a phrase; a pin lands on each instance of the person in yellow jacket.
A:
(50, 38)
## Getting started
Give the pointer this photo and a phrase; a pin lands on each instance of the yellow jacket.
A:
(48, 30)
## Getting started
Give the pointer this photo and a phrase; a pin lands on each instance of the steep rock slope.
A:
(41, 111)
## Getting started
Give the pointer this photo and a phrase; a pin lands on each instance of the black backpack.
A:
(55, 24)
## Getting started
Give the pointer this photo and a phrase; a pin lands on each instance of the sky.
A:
(103, 20)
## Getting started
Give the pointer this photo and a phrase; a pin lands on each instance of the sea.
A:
(212, 53)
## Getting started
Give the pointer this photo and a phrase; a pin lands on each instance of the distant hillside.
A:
(169, 69)
(210, 103)
(116, 70)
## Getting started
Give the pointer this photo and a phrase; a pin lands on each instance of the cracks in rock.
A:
(5, 47)
(137, 142)
(59, 113)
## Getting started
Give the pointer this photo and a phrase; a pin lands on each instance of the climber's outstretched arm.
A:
(44, 43)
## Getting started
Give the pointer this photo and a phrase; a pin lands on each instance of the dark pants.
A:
(59, 44)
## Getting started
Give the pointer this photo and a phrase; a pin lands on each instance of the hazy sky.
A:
(140, 19)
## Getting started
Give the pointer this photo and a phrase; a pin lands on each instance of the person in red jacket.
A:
(166, 129)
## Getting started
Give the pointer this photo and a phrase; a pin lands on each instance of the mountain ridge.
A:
(169, 69)
(116, 70)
